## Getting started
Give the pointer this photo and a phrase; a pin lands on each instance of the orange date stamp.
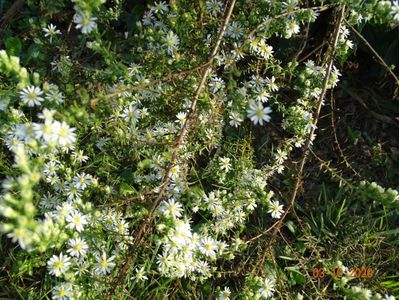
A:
(362, 272)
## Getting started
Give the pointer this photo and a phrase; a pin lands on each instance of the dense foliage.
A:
(153, 150)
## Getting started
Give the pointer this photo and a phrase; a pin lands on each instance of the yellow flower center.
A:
(85, 21)
(259, 113)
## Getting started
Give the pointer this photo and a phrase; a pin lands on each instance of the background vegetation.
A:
(159, 144)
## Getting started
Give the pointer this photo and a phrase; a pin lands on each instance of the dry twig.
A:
(308, 144)
(178, 144)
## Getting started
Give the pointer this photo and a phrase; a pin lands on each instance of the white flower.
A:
(388, 297)
(262, 95)
(131, 114)
(45, 131)
(214, 7)
(276, 209)
(78, 247)
(280, 156)
(292, 28)
(76, 220)
(78, 156)
(172, 42)
(58, 265)
(208, 246)
(84, 23)
(80, 181)
(164, 262)
(234, 30)
(257, 113)
(72, 192)
(271, 82)
(395, 10)
(225, 164)
(171, 208)
(181, 117)
(216, 84)
(267, 288)
(63, 291)
(51, 31)
(290, 5)
(264, 50)
(31, 95)
(203, 268)
(251, 204)
(160, 7)
(64, 134)
(235, 119)
(140, 275)
(224, 294)
(104, 264)
(55, 96)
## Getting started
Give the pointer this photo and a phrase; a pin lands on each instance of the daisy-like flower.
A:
(276, 209)
(290, 5)
(214, 7)
(104, 264)
(225, 164)
(160, 7)
(235, 119)
(280, 156)
(79, 156)
(208, 247)
(265, 50)
(388, 297)
(234, 30)
(64, 134)
(51, 31)
(72, 192)
(262, 95)
(140, 275)
(44, 131)
(258, 114)
(58, 265)
(171, 208)
(181, 117)
(31, 96)
(80, 181)
(63, 291)
(292, 28)
(203, 268)
(84, 23)
(271, 82)
(77, 247)
(216, 84)
(224, 294)
(266, 289)
(251, 204)
(131, 114)
(395, 10)
(50, 168)
(164, 261)
(172, 42)
(55, 96)
(76, 220)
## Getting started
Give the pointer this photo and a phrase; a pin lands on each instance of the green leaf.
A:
(13, 46)
(126, 190)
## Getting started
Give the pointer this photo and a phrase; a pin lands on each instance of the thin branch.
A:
(374, 52)
(307, 150)
(286, 14)
(336, 138)
(179, 143)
